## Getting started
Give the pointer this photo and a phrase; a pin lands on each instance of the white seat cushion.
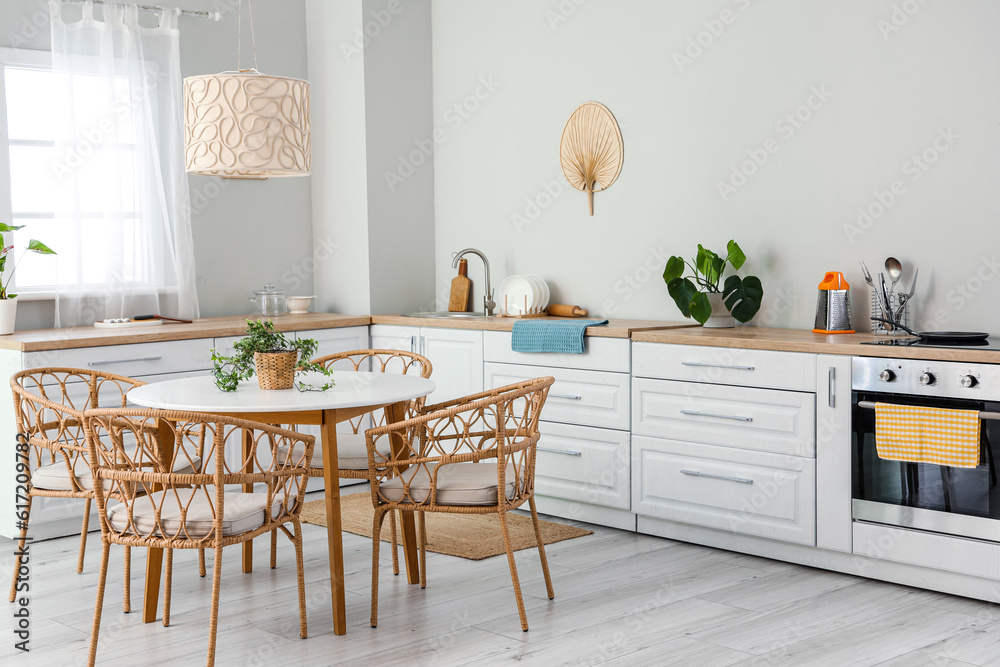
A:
(352, 452)
(55, 476)
(243, 512)
(458, 484)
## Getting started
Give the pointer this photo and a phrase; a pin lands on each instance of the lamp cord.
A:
(239, 35)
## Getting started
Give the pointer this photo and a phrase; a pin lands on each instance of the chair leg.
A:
(127, 592)
(422, 548)
(376, 531)
(20, 550)
(167, 586)
(99, 605)
(213, 625)
(297, 541)
(274, 548)
(395, 553)
(83, 536)
(201, 562)
(541, 549)
(513, 571)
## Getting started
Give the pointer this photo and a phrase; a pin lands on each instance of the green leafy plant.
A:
(33, 246)
(742, 296)
(230, 371)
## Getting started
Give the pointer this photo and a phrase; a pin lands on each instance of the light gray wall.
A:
(246, 233)
(894, 86)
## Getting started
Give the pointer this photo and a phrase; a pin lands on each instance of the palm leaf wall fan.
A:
(591, 150)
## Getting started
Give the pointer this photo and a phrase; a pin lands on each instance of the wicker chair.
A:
(133, 454)
(351, 451)
(455, 458)
(49, 404)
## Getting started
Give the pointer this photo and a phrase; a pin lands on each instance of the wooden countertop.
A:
(208, 327)
(613, 329)
(801, 340)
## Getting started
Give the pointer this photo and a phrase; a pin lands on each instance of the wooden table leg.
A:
(335, 538)
(397, 413)
(154, 557)
(247, 488)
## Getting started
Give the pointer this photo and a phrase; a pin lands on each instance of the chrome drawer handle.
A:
(729, 366)
(697, 473)
(559, 451)
(122, 361)
(572, 397)
(699, 413)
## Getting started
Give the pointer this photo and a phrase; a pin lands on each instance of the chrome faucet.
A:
(488, 303)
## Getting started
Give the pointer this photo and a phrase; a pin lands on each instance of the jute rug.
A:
(472, 536)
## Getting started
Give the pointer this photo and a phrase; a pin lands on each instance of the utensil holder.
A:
(881, 328)
(275, 370)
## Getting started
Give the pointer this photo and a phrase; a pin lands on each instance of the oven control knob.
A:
(927, 378)
(887, 376)
(968, 381)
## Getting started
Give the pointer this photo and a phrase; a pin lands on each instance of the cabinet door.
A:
(332, 341)
(589, 465)
(833, 453)
(457, 358)
(389, 337)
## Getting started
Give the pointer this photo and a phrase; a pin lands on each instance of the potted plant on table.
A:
(699, 296)
(8, 302)
(272, 357)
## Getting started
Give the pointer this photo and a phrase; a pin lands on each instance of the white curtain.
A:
(125, 246)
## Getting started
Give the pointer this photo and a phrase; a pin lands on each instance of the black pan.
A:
(939, 336)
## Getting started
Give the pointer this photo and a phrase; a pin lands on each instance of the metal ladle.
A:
(895, 270)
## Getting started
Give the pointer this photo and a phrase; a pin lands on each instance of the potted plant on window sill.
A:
(272, 357)
(8, 302)
(699, 295)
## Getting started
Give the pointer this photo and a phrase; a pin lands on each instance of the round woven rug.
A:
(472, 536)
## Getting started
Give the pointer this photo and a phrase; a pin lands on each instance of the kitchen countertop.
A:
(802, 340)
(207, 327)
(613, 329)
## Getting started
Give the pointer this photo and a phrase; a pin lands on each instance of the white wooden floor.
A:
(621, 599)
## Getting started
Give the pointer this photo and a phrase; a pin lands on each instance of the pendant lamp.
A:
(246, 124)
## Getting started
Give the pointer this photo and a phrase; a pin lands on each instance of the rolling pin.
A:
(561, 310)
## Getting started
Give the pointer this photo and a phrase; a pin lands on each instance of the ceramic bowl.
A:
(299, 304)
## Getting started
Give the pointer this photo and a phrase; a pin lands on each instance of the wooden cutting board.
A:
(461, 287)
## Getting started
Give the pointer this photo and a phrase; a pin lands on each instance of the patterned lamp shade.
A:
(246, 125)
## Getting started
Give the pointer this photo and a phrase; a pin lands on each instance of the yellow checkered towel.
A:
(927, 435)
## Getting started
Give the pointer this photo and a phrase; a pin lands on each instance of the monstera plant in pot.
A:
(699, 295)
(8, 301)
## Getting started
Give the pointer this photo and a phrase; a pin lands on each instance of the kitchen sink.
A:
(444, 314)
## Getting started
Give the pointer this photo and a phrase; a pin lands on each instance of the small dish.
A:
(546, 294)
(299, 304)
(517, 295)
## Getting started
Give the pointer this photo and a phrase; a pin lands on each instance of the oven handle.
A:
(870, 405)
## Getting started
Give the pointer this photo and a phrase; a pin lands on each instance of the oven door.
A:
(942, 499)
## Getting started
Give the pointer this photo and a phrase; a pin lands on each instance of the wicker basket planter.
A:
(276, 370)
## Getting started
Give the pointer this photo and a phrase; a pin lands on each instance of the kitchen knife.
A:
(159, 317)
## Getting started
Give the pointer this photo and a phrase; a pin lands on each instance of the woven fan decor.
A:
(591, 150)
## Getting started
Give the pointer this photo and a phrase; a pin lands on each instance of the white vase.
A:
(720, 317)
(8, 308)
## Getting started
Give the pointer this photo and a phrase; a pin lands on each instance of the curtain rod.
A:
(214, 16)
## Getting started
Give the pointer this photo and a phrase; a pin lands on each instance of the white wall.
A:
(888, 95)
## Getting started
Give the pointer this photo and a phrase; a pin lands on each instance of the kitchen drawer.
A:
(589, 465)
(134, 360)
(600, 354)
(766, 420)
(588, 398)
(725, 365)
(332, 341)
(753, 493)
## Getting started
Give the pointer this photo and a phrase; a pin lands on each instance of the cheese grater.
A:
(833, 305)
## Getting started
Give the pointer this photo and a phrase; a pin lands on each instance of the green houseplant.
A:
(697, 293)
(252, 352)
(8, 304)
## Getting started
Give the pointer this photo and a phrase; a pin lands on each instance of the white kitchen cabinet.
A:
(725, 365)
(588, 465)
(833, 453)
(455, 354)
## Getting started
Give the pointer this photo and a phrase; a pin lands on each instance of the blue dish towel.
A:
(564, 336)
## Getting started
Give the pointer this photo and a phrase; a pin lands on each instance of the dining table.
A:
(354, 393)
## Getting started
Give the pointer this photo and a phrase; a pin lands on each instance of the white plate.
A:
(546, 294)
(130, 323)
(536, 291)
(515, 293)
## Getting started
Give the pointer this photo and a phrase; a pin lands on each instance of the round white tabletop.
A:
(352, 389)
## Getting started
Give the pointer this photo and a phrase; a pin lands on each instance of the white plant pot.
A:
(720, 317)
(8, 309)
